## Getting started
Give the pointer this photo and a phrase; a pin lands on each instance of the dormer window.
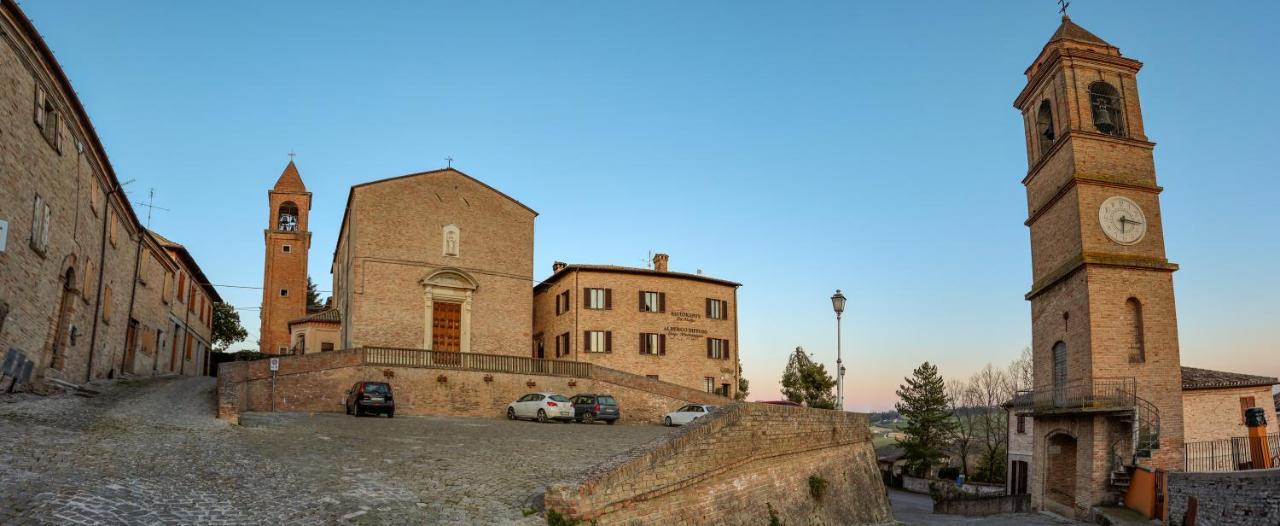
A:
(288, 217)
(1106, 104)
(1044, 127)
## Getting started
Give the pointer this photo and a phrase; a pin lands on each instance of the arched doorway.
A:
(64, 335)
(1060, 472)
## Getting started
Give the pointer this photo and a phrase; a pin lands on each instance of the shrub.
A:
(948, 473)
(817, 486)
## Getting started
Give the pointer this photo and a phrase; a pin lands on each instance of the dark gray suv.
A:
(588, 408)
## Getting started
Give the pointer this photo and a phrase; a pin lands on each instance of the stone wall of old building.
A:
(156, 278)
(1240, 498)
(739, 466)
(684, 323)
(1215, 414)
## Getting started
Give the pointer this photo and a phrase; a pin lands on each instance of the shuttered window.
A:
(562, 345)
(653, 301)
(40, 218)
(717, 349)
(597, 341)
(1245, 403)
(717, 309)
(598, 299)
(654, 344)
(562, 303)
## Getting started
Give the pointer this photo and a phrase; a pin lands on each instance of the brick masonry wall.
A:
(318, 382)
(733, 468)
(1214, 414)
(1242, 498)
(684, 323)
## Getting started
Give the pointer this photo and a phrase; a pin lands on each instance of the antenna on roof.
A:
(151, 199)
(1062, 6)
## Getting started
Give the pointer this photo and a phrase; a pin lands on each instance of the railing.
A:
(495, 363)
(1231, 454)
(1096, 393)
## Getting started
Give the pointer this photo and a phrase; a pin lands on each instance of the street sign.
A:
(275, 364)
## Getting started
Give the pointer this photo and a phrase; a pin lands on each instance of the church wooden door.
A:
(446, 327)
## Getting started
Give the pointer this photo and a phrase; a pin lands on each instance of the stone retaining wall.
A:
(1235, 497)
(983, 505)
(738, 466)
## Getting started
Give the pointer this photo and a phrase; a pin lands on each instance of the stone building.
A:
(1108, 380)
(71, 246)
(434, 260)
(190, 315)
(672, 326)
(284, 276)
(316, 332)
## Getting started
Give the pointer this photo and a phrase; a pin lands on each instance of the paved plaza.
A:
(150, 452)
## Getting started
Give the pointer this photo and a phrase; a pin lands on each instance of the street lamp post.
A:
(837, 303)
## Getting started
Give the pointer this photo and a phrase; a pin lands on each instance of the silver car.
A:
(541, 407)
(687, 414)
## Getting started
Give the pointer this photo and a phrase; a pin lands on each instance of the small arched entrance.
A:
(1060, 472)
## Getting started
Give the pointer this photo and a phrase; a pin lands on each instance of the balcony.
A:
(1096, 395)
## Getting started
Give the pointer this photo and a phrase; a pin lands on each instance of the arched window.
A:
(1133, 319)
(287, 218)
(1044, 127)
(1106, 104)
(1059, 365)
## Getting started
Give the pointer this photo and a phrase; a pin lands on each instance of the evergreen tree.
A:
(806, 381)
(929, 421)
(313, 296)
(743, 385)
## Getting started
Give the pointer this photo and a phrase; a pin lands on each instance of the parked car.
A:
(541, 407)
(588, 408)
(687, 414)
(370, 398)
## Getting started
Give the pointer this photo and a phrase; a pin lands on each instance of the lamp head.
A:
(837, 302)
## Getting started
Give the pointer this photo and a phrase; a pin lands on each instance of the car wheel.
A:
(610, 422)
(589, 418)
(391, 414)
(542, 416)
(355, 410)
(667, 421)
(511, 414)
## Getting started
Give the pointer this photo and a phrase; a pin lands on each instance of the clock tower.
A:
(1107, 395)
(284, 281)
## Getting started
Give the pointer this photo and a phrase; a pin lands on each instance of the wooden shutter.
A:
(586, 298)
(662, 344)
(709, 308)
(44, 228)
(608, 299)
(642, 301)
(662, 302)
(608, 341)
(40, 114)
(709, 346)
(644, 342)
(724, 350)
(586, 341)
(1245, 403)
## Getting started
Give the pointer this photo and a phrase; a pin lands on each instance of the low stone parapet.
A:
(1243, 498)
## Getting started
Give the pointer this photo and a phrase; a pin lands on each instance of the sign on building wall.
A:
(4, 235)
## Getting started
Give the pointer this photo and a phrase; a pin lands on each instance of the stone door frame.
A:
(448, 285)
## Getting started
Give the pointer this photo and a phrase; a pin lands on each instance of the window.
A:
(717, 309)
(655, 344)
(651, 376)
(282, 350)
(653, 301)
(1059, 365)
(1105, 102)
(1022, 424)
(597, 341)
(1137, 348)
(709, 383)
(284, 293)
(47, 119)
(40, 217)
(1044, 127)
(106, 304)
(182, 286)
(287, 248)
(95, 194)
(287, 218)
(562, 302)
(168, 287)
(113, 231)
(187, 350)
(717, 349)
(562, 345)
(1246, 402)
(326, 347)
(598, 299)
(87, 288)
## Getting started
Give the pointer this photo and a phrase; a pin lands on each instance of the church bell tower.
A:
(284, 279)
(1107, 395)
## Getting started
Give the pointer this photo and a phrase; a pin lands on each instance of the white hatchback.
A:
(541, 407)
(687, 414)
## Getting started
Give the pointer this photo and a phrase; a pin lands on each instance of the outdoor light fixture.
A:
(837, 303)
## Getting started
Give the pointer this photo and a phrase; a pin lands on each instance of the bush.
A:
(554, 518)
(817, 486)
(948, 473)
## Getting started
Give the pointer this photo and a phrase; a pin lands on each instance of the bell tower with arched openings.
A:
(284, 276)
(1107, 396)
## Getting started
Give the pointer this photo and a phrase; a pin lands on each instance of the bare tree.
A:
(1021, 373)
(961, 396)
(992, 388)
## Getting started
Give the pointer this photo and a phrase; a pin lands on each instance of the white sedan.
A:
(541, 407)
(687, 414)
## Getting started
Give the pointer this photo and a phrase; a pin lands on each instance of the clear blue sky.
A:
(794, 147)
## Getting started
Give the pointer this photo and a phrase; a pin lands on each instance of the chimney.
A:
(557, 266)
(660, 262)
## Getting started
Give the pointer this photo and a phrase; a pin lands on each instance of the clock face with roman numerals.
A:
(1122, 220)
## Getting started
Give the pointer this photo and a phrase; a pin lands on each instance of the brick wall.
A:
(1214, 414)
(1241, 498)
(734, 467)
(318, 382)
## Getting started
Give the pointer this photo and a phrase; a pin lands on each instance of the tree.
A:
(991, 389)
(1021, 373)
(743, 385)
(923, 402)
(313, 295)
(806, 381)
(227, 330)
(962, 396)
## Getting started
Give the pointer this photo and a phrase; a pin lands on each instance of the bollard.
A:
(1255, 418)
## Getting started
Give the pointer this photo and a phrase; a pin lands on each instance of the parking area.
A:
(153, 453)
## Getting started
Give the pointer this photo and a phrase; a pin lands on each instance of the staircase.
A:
(1144, 423)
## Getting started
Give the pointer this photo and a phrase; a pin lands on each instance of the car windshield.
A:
(379, 389)
(606, 400)
(559, 398)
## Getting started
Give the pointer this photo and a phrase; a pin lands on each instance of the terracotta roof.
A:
(1070, 31)
(324, 316)
(197, 274)
(290, 180)
(631, 270)
(1194, 378)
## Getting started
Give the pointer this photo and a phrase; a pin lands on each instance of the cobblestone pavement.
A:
(915, 509)
(150, 452)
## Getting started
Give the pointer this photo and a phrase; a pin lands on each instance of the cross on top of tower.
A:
(291, 155)
(449, 160)
(1062, 6)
